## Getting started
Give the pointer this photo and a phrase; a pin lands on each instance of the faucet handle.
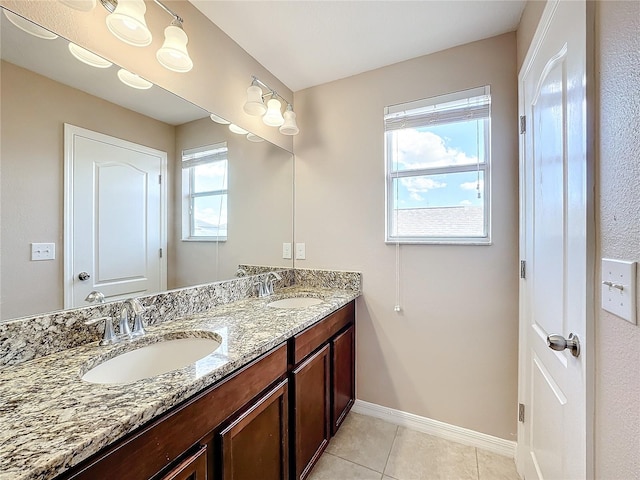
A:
(138, 325)
(109, 336)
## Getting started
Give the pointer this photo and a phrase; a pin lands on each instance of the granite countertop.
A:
(51, 420)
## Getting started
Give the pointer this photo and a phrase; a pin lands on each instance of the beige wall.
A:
(617, 343)
(221, 73)
(451, 355)
(527, 27)
(260, 208)
(34, 110)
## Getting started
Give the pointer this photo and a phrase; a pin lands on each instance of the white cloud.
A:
(472, 185)
(417, 185)
(426, 149)
(465, 202)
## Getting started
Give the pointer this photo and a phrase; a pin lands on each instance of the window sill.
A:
(443, 241)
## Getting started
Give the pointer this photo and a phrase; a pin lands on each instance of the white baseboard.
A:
(437, 428)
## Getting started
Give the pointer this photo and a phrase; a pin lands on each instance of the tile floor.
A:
(367, 448)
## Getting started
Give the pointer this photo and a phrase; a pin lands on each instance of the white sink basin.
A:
(151, 360)
(295, 302)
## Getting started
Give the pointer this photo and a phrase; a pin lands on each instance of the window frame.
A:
(189, 195)
(392, 174)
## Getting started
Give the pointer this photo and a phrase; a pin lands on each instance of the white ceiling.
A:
(307, 43)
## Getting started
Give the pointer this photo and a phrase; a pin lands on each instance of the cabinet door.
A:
(312, 410)
(343, 376)
(193, 467)
(255, 445)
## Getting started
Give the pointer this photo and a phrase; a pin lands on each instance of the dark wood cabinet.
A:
(343, 386)
(323, 384)
(194, 467)
(256, 444)
(311, 383)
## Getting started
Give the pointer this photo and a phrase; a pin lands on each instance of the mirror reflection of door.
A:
(115, 217)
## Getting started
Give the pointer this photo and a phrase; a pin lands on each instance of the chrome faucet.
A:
(137, 310)
(268, 284)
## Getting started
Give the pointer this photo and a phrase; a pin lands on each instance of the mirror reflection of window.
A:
(205, 183)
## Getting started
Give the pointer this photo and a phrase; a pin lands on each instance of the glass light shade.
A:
(127, 23)
(289, 127)
(90, 58)
(218, 119)
(254, 104)
(273, 117)
(173, 53)
(252, 137)
(236, 129)
(82, 5)
(132, 80)
(29, 27)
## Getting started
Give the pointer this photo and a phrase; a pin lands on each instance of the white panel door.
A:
(115, 217)
(552, 442)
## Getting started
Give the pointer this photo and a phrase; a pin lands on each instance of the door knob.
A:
(558, 343)
(83, 276)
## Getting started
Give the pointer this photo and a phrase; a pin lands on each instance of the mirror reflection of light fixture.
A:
(127, 23)
(218, 119)
(29, 27)
(90, 58)
(236, 129)
(173, 53)
(289, 127)
(132, 80)
(271, 113)
(81, 5)
(252, 137)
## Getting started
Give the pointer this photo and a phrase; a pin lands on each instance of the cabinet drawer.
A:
(313, 337)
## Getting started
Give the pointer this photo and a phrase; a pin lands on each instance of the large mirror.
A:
(79, 214)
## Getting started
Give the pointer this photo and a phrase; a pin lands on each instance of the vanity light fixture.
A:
(132, 80)
(289, 127)
(173, 55)
(236, 129)
(90, 58)
(273, 117)
(271, 113)
(255, 105)
(218, 119)
(29, 27)
(127, 23)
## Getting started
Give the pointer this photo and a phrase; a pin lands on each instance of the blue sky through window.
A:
(443, 145)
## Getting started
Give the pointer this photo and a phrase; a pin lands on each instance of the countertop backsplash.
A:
(27, 338)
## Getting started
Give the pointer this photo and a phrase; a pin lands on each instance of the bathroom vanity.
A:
(264, 405)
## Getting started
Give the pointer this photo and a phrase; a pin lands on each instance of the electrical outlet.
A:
(619, 288)
(301, 253)
(43, 251)
(286, 250)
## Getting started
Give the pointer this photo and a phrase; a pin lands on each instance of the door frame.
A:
(586, 344)
(70, 131)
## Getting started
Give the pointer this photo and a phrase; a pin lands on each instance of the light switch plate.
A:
(286, 250)
(301, 253)
(619, 288)
(43, 251)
